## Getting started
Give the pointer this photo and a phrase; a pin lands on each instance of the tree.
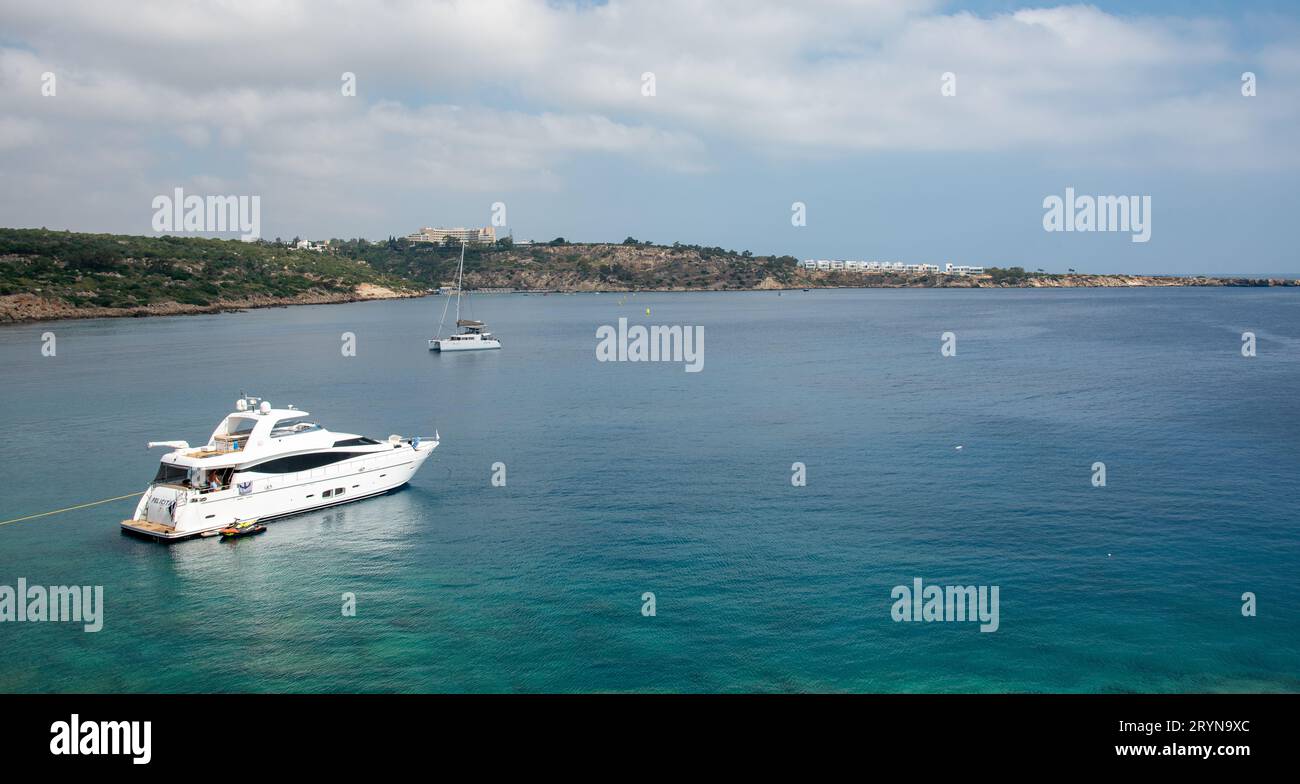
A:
(91, 259)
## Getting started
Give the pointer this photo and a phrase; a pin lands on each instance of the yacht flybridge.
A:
(262, 463)
(474, 335)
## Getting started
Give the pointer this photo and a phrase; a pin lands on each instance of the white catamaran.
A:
(474, 335)
(262, 463)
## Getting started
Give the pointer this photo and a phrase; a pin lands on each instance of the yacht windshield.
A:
(292, 427)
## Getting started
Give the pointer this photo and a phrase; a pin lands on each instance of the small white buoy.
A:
(958, 447)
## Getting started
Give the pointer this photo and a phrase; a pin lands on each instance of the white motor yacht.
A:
(262, 463)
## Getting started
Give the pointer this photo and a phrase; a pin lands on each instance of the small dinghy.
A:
(246, 528)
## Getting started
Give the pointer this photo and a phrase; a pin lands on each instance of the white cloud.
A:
(492, 94)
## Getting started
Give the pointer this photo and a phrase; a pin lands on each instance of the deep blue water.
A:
(625, 478)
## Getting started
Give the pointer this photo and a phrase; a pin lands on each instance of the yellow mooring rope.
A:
(68, 509)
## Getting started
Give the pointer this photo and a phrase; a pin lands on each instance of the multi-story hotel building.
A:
(484, 236)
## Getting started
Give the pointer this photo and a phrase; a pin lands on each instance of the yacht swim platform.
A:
(148, 529)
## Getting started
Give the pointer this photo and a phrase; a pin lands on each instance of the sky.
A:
(757, 106)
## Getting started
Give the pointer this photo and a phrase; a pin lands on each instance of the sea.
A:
(744, 528)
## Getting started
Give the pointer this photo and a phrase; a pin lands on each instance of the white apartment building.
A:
(895, 267)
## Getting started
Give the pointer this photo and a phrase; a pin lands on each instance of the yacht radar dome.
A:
(265, 408)
(241, 405)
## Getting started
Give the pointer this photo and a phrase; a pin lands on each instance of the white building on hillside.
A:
(484, 236)
(892, 267)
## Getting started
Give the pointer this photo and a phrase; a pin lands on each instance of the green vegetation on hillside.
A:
(106, 270)
(126, 272)
(68, 272)
(561, 264)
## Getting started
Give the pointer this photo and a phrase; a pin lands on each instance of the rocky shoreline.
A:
(1141, 281)
(24, 308)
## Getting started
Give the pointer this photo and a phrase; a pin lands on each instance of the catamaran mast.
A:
(460, 275)
(460, 280)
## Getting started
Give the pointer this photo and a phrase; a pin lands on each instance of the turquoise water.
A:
(624, 478)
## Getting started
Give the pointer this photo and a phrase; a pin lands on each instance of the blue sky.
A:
(541, 106)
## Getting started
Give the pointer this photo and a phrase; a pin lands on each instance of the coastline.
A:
(61, 275)
(30, 308)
